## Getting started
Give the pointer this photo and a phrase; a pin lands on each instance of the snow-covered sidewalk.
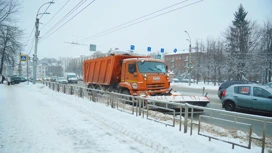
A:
(35, 119)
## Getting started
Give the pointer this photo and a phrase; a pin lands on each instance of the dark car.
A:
(248, 96)
(228, 83)
(17, 79)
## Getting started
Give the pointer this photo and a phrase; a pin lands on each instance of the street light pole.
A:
(37, 33)
(35, 58)
(190, 58)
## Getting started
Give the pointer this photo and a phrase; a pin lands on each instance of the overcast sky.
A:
(154, 28)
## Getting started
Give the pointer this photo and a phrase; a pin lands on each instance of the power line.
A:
(70, 19)
(30, 35)
(55, 14)
(66, 16)
(122, 27)
(115, 27)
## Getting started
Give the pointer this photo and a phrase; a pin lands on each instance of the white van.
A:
(71, 77)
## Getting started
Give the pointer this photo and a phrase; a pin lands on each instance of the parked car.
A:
(17, 79)
(269, 84)
(61, 80)
(224, 85)
(175, 80)
(187, 80)
(247, 96)
(53, 79)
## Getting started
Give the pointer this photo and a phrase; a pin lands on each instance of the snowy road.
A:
(35, 119)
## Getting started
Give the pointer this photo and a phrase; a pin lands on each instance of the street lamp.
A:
(190, 62)
(37, 33)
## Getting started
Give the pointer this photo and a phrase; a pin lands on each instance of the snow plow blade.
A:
(178, 98)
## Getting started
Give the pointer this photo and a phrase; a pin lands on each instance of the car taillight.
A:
(224, 93)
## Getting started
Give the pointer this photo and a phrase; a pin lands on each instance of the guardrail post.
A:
(140, 106)
(71, 90)
(81, 92)
(180, 116)
(93, 96)
(186, 118)
(112, 96)
(264, 131)
(192, 116)
(203, 92)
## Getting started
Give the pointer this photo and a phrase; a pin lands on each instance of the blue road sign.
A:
(162, 50)
(92, 47)
(149, 49)
(132, 47)
(23, 57)
(159, 56)
(175, 50)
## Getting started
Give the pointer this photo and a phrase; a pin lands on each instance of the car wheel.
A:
(229, 106)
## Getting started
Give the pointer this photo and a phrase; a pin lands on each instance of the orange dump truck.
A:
(134, 75)
(127, 74)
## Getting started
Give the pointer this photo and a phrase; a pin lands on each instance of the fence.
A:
(174, 111)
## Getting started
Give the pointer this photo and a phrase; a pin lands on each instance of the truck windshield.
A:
(151, 67)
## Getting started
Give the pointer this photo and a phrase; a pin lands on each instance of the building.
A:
(177, 62)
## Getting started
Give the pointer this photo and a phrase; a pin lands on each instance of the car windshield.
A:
(71, 76)
(151, 67)
(62, 78)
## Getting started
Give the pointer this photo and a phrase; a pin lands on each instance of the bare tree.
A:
(8, 8)
(9, 35)
(9, 45)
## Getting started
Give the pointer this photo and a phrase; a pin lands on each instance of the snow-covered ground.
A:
(35, 119)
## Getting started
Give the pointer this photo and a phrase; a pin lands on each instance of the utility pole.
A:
(20, 66)
(190, 58)
(35, 58)
(37, 33)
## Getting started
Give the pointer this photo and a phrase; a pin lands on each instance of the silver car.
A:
(248, 96)
(61, 80)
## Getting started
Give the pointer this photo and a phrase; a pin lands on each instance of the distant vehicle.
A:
(46, 79)
(269, 84)
(248, 96)
(53, 79)
(175, 80)
(61, 80)
(228, 83)
(17, 79)
(187, 80)
(71, 77)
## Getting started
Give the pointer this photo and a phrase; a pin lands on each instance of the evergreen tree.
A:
(238, 40)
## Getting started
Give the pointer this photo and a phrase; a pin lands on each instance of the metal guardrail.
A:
(142, 106)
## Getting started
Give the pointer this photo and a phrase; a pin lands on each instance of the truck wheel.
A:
(229, 106)
(125, 98)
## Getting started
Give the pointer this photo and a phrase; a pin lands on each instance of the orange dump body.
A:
(104, 70)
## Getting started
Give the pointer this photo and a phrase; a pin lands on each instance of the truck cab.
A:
(144, 76)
